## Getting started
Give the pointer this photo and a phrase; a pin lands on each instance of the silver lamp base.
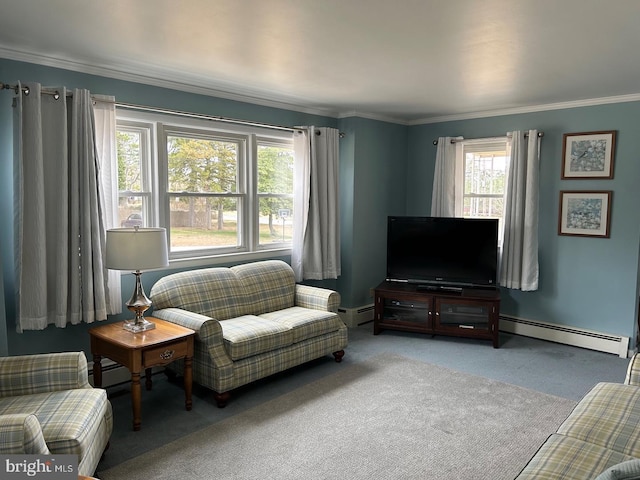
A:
(138, 326)
(138, 304)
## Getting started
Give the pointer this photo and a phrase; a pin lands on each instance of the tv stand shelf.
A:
(466, 312)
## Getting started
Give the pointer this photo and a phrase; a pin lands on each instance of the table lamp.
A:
(137, 249)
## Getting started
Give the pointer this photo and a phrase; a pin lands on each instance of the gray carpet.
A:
(386, 417)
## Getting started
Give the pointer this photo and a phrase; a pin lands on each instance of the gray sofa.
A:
(251, 321)
(600, 438)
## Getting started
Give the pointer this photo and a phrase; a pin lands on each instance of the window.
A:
(134, 174)
(483, 170)
(218, 188)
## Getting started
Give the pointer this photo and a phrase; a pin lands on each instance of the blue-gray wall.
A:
(589, 283)
(387, 169)
(375, 189)
(76, 337)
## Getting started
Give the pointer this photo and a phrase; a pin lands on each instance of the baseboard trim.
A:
(577, 337)
(352, 317)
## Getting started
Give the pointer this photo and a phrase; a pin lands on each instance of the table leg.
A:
(136, 398)
(188, 381)
(97, 371)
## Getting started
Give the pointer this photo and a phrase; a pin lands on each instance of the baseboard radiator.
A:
(114, 374)
(567, 335)
(352, 317)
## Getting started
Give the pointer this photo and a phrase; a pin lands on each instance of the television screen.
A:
(442, 251)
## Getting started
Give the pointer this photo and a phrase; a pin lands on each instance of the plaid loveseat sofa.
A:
(251, 321)
(48, 407)
(600, 439)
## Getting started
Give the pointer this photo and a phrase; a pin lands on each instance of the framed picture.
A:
(588, 154)
(586, 214)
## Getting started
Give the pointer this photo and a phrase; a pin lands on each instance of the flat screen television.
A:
(442, 252)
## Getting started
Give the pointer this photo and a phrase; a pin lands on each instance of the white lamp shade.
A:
(137, 248)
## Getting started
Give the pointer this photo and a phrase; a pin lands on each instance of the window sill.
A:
(228, 259)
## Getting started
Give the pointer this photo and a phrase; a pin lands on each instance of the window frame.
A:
(148, 173)
(161, 125)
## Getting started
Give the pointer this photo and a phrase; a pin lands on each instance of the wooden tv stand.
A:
(466, 312)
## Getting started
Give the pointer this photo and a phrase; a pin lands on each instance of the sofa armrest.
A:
(633, 371)
(208, 331)
(21, 434)
(317, 298)
(47, 372)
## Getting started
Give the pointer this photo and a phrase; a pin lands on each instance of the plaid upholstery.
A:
(248, 335)
(27, 374)
(215, 292)
(270, 285)
(73, 417)
(268, 332)
(303, 322)
(253, 368)
(21, 434)
(566, 458)
(603, 430)
(633, 371)
(317, 298)
(608, 416)
(208, 373)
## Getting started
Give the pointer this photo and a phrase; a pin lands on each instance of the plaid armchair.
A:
(47, 406)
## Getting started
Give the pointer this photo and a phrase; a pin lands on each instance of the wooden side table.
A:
(142, 351)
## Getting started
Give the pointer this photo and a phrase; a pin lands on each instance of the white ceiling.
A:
(409, 61)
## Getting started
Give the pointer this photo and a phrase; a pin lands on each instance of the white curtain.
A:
(316, 236)
(443, 197)
(104, 110)
(60, 232)
(519, 263)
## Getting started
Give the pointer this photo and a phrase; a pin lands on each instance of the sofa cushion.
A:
(270, 285)
(567, 458)
(608, 416)
(629, 470)
(214, 292)
(249, 335)
(69, 418)
(304, 322)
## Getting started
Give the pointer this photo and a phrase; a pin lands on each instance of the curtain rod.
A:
(44, 90)
(16, 88)
(202, 116)
(453, 140)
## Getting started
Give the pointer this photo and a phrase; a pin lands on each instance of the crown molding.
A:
(187, 85)
(371, 116)
(634, 97)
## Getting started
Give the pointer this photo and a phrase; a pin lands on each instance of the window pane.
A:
(203, 222)
(275, 189)
(133, 201)
(276, 220)
(129, 161)
(275, 169)
(130, 211)
(485, 173)
(483, 207)
(202, 165)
